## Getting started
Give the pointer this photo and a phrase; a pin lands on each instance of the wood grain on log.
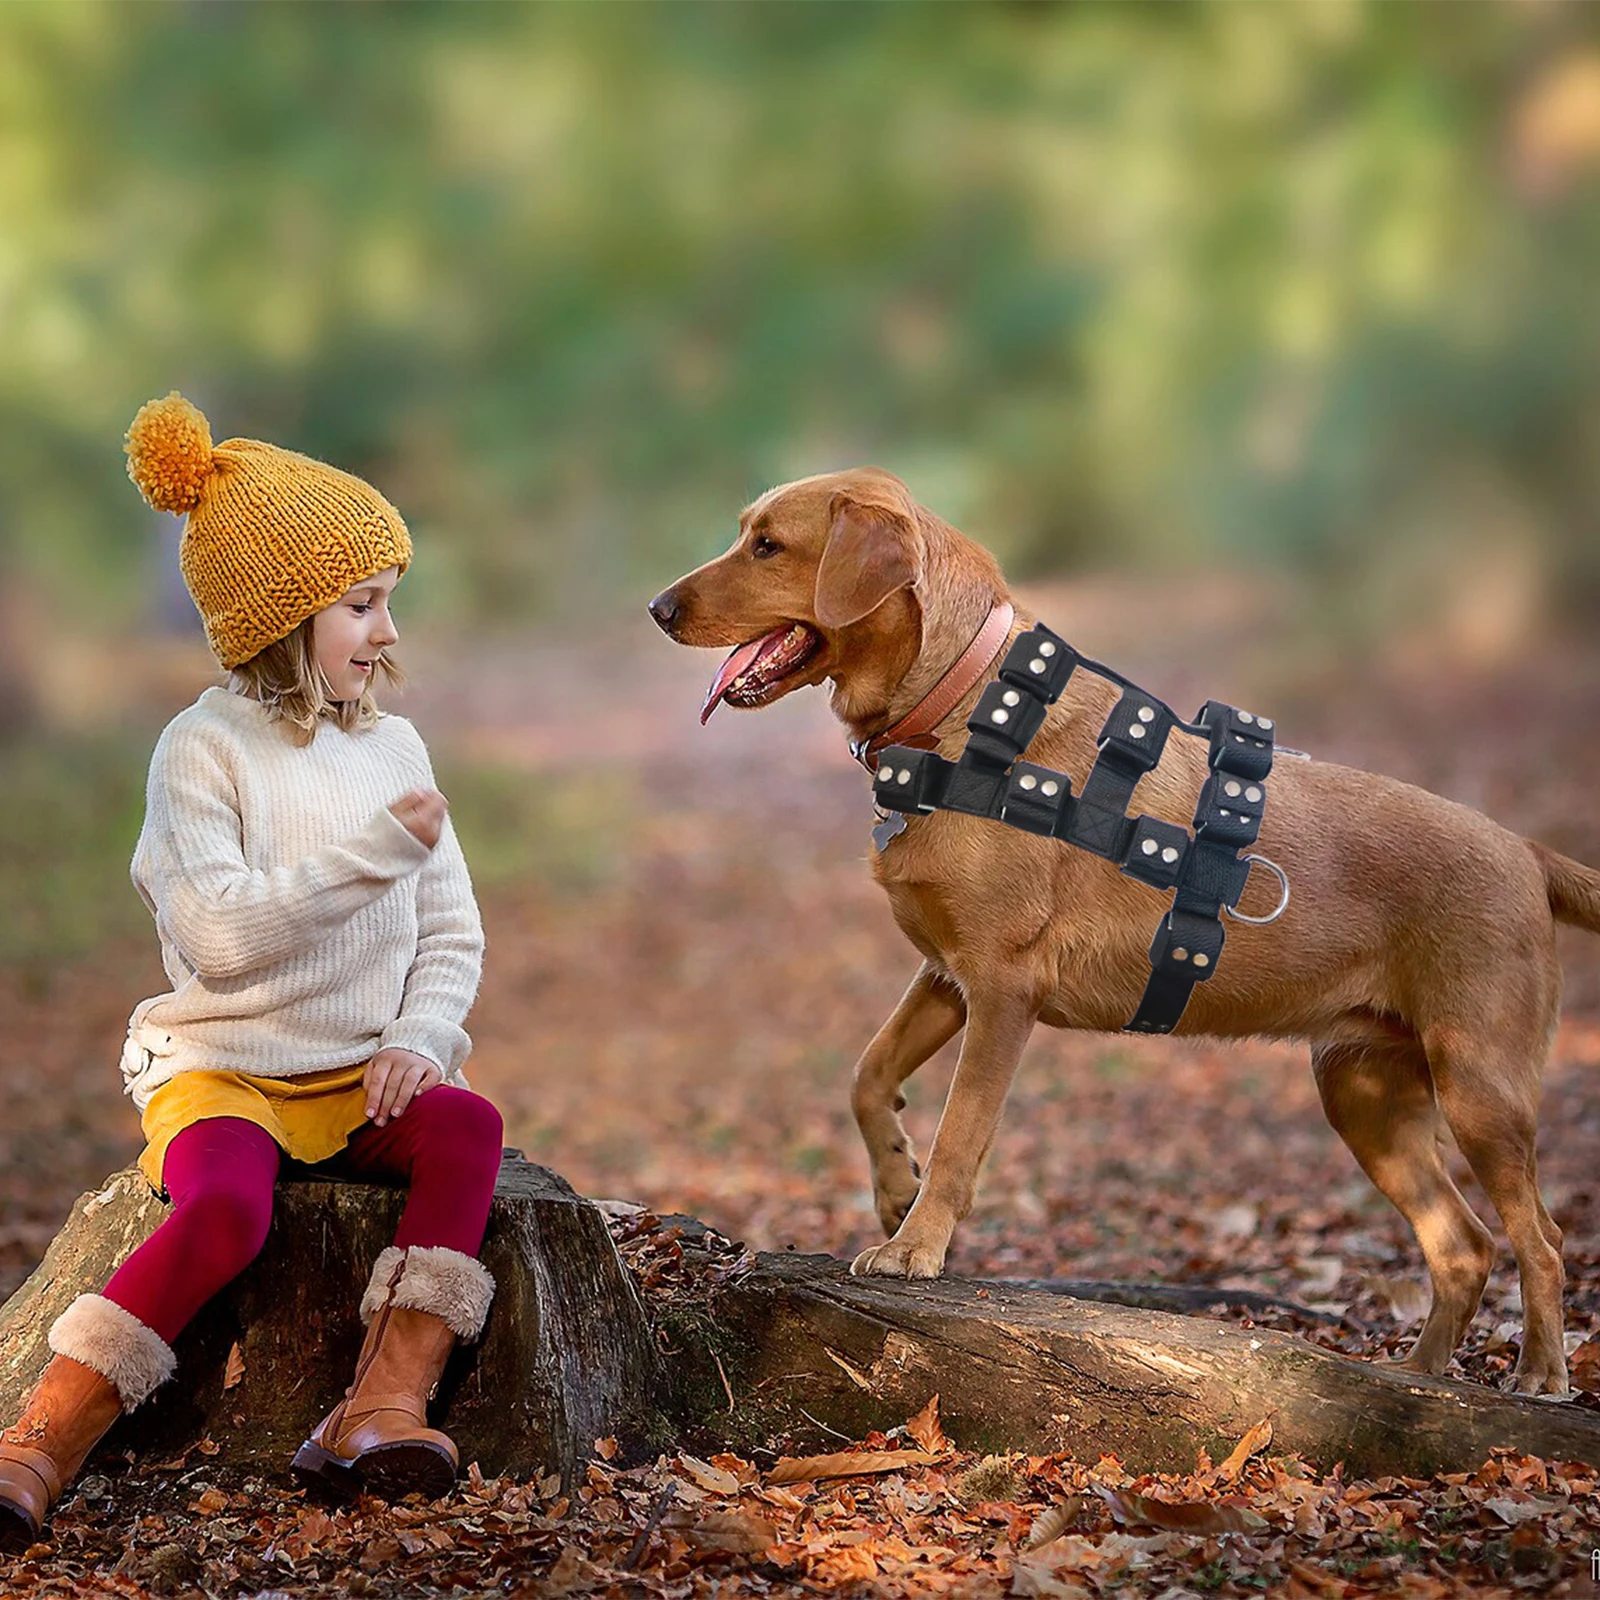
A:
(810, 1352)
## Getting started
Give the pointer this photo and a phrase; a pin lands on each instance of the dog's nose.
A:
(665, 609)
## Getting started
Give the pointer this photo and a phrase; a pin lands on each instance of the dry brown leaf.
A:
(1256, 1439)
(315, 1525)
(1051, 1524)
(927, 1429)
(1036, 1578)
(233, 1372)
(712, 1479)
(1185, 1516)
(1406, 1300)
(606, 1448)
(1585, 1367)
(732, 1532)
(848, 1464)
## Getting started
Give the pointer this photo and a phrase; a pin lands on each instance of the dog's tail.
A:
(1574, 889)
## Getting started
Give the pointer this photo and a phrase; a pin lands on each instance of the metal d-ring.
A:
(1283, 904)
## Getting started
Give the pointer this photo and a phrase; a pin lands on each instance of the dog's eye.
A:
(761, 547)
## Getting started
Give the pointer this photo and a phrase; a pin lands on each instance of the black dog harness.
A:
(1206, 870)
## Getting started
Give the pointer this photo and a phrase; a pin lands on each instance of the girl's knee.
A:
(468, 1122)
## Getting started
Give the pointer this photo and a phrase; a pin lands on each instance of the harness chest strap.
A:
(1205, 871)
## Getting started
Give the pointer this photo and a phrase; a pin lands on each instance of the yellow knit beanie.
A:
(272, 538)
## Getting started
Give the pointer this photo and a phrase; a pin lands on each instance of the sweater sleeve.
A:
(443, 980)
(227, 918)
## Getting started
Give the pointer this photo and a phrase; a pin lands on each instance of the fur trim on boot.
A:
(110, 1340)
(446, 1284)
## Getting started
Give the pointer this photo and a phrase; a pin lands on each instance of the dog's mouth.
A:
(752, 674)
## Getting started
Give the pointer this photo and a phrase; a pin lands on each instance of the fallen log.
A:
(567, 1357)
(758, 1352)
(795, 1350)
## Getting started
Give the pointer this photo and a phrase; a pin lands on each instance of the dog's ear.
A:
(873, 551)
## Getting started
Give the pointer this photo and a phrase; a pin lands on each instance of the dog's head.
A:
(825, 580)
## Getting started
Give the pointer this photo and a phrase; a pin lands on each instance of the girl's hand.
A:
(421, 813)
(393, 1079)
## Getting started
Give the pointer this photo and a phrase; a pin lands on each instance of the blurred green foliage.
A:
(1307, 283)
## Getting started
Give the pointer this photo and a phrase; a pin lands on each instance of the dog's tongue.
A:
(730, 669)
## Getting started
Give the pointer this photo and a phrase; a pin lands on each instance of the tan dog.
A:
(1417, 954)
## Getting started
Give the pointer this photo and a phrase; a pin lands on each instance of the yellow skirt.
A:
(311, 1116)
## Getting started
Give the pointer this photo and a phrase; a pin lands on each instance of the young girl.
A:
(319, 930)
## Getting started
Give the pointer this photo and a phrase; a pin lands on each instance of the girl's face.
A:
(348, 637)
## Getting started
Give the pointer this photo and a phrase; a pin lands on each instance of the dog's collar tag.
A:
(890, 824)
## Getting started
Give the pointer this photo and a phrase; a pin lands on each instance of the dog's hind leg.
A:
(1379, 1097)
(929, 1016)
(998, 1024)
(1489, 1093)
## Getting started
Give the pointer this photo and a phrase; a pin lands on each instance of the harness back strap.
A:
(1205, 872)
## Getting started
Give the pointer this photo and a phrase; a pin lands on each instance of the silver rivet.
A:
(1136, 732)
(1238, 738)
(1146, 714)
(905, 775)
(1264, 722)
(1169, 855)
(885, 774)
(1036, 665)
(1051, 787)
(1011, 697)
(1027, 781)
(1244, 716)
(1202, 961)
(1047, 649)
(1149, 847)
(1180, 954)
(1252, 793)
(999, 716)
(1223, 811)
(1232, 790)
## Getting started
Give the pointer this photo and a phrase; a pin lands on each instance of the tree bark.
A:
(566, 1358)
(809, 1353)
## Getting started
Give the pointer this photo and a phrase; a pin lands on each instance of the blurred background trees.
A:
(1304, 286)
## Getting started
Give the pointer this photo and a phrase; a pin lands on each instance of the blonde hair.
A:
(286, 680)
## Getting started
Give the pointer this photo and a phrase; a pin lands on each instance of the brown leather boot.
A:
(418, 1303)
(106, 1361)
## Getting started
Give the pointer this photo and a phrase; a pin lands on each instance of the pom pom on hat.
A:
(169, 453)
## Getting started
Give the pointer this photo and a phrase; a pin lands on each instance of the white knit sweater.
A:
(302, 926)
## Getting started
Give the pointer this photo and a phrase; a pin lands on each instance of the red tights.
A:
(220, 1174)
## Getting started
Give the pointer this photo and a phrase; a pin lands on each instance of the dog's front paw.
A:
(1545, 1382)
(895, 1195)
(899, 1258)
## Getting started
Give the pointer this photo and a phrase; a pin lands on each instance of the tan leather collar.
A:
(916, 727)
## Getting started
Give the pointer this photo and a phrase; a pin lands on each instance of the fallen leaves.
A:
(686, 1527)
(1255, 1440)
(849, 1464)
(927, 1430)
(1188, 1516)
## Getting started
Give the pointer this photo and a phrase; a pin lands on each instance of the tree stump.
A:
(797, 1350)
(566, 1358)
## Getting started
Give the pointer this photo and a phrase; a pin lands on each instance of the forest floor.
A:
(687, 954)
